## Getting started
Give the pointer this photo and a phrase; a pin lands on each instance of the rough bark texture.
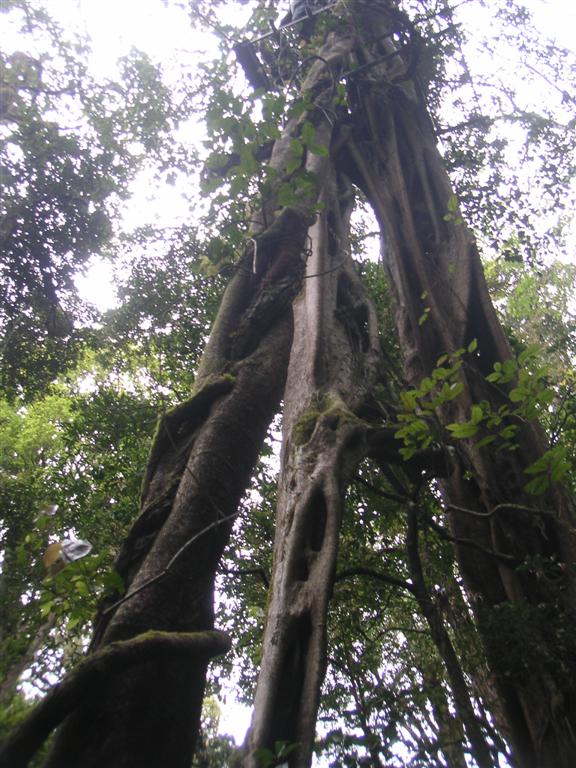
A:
(434, 266)
(334, 363)
(91, 677)
(200, 466)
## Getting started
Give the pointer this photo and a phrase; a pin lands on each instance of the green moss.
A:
(304, 427)
(336, 411)
(331, 409)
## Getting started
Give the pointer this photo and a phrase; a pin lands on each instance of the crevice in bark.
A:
(318, 516)
(288, 693)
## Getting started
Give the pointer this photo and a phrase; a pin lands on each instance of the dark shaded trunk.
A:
(435, 270)
(201, 463)
(442, 641)
(201, 472)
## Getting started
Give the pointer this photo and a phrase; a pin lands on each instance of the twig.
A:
(171, 562)
(498, 508)
(383, 494)
(443, 533)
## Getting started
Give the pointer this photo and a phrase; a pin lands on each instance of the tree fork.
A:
(201, 464)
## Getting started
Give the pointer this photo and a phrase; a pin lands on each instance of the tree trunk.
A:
(441, 638)
(201, 463)
(436, 274)
(333, 366)
(147, 714)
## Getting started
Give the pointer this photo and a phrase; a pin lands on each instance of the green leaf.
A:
(455, 389)
(46, 608)
(452, 204)
(408, 401)
(461, 431)
(477, 414)
(538, 485)
(286, 195)
(318, 149)
(518, 394)
(424, 316)
(308, 133)
(485, 441)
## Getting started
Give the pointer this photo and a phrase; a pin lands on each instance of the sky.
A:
(115, 26)
(165, 33)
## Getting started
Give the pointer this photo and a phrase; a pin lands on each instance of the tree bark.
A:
(333, 366)
(201, 463)
(206, 449)
(441, 638)
(435, 270)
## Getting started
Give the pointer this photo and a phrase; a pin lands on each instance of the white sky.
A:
(165, 33)
(115, 26)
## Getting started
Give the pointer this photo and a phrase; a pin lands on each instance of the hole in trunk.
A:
(300, 570)
(317, 521)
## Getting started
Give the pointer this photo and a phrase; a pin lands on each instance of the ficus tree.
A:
(347, 106)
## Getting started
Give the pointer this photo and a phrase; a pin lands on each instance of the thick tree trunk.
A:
(333, 366)
(200, 466)
(202, 462)
(435, 270)
(147, 714)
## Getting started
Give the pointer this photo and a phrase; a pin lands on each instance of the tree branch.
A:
(376, 575)
(443, 533)
(170, 563)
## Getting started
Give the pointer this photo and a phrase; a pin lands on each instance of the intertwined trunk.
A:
(201, 463)
(520, 577)
(527, 586)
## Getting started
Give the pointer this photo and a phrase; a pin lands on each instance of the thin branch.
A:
(171, 562)
(498, 508)
(248, 572)
(388, 495)
(443, 533)
(376, 575)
